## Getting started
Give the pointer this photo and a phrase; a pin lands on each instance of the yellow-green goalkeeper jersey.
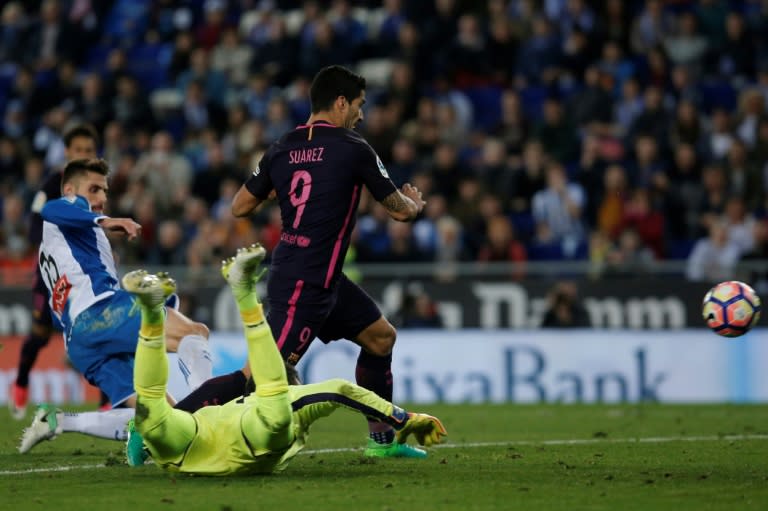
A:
(218, 425)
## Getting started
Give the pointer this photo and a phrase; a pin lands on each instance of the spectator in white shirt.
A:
(714, 258)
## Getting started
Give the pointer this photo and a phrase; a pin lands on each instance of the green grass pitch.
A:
(505, 457)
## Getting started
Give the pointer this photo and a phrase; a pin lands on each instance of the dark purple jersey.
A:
(51, 190)
(318, 172)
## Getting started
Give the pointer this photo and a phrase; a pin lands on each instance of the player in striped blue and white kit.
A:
(100, 320)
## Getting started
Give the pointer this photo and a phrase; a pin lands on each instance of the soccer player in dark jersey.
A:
(317, 172)
(79, 142)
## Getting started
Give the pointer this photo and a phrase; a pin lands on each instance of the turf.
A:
(568, 457)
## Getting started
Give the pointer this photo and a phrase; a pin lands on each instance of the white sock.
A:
(195, 360)
(110, 424)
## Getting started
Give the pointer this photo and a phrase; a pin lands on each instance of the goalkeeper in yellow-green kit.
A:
(263, 431)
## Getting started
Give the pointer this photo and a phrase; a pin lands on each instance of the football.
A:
(731, 308)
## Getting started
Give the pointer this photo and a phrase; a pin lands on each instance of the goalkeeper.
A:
(262, 432)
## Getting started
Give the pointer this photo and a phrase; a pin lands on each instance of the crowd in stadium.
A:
(621, 132)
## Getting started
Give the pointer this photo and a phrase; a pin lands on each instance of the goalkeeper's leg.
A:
(267, 426)
(166, 432)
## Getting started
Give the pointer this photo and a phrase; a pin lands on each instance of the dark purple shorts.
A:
(299, 312)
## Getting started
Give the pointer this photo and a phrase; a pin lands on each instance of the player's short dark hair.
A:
(81, 167)
(81, 130)
(330, 83)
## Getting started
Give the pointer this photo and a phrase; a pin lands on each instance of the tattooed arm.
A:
(404, 205)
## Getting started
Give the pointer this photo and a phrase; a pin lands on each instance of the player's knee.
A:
(200, 329)
(384, 341)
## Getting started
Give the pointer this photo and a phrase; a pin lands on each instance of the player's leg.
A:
(357, 317)
(166, 432)
(314, 401)
(267, 426)
(38, 338)
(189, 339)
(49, 422)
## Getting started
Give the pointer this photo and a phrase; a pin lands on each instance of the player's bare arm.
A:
(405, 204)
(122, 225)
(244, 202)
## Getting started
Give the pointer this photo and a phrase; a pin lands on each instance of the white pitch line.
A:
(577, 441)
(508, 443)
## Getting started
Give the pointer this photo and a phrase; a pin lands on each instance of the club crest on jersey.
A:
(382, 169)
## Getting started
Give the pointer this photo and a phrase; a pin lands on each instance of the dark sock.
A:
(375, 374)
(32, 346)
(215, 391)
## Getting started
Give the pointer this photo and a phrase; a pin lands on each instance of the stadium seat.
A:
(127, 21)
(487, 105)
(96, 56)
(524, 224)
(149, 63)
(679, 248)
(532, 100)
(718, 94)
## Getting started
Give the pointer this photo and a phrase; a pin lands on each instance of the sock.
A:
(150, 369)
(267, 366)
(195, 360)
(29, 350)
(110, 424)
(375, 374)
(215, 391)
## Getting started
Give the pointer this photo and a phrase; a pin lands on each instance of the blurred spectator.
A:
(557, 210)
(610, 210)
(501, 245)
(167, 174)
(514, 126)
(685, 45)
(564, 309)
(629, 258)
(50, 38)
(645, 218)
(739, 224)
(207, 182)
(744, 178)
(555, 132)
(449, 249)
(418, 310)
(92, 102)
(214, 82)
(719, 136)
(651, 27)
(713, 258)
(12, 31)
(232, 57)
(130, 105)
(539, 54)
(735, 56)
(401, 246)
(169, 248)
(214, 23)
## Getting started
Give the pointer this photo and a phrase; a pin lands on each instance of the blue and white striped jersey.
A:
(76, 259)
